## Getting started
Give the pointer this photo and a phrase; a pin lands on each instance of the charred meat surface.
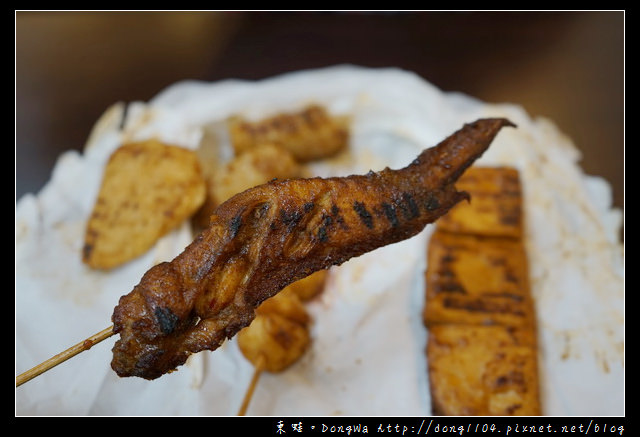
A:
(263, 239)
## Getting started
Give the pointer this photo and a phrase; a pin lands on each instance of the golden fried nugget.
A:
(279, 334)
(148, 188)
(309, 134)
(286, 304)
(254, 167)
(483, 371)
(249, 169)
(495, 207)
(476, 280)
(309, 287)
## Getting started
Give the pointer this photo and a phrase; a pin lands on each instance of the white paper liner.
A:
(367, 356)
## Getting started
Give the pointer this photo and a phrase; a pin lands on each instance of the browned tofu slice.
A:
(495, 207)
(148, 188)
(475, 280)
(483, 371)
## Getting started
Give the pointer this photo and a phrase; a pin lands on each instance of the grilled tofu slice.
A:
(479, 311)
(477, 280)
(483, 371)
(495, 207)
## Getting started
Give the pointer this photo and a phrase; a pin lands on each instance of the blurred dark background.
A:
(71, 66)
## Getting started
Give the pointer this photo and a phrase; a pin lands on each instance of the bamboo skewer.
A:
(64, 356)
(259, 367)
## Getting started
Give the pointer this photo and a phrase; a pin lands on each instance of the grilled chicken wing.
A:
(265, 238)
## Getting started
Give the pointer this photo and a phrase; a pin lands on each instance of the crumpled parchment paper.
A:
(367, 356)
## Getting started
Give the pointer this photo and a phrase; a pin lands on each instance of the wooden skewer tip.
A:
(259, 367)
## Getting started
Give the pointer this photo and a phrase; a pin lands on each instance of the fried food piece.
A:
(267, 237)
(309, 287)
(483, 371)
(255, 166)
(148, 188)
(477, 280)
(279, 335)
(495, 208)
(309, 134)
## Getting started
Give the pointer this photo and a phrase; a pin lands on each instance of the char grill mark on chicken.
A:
(270, 236)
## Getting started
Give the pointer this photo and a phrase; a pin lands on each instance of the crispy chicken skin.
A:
(265, 238)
